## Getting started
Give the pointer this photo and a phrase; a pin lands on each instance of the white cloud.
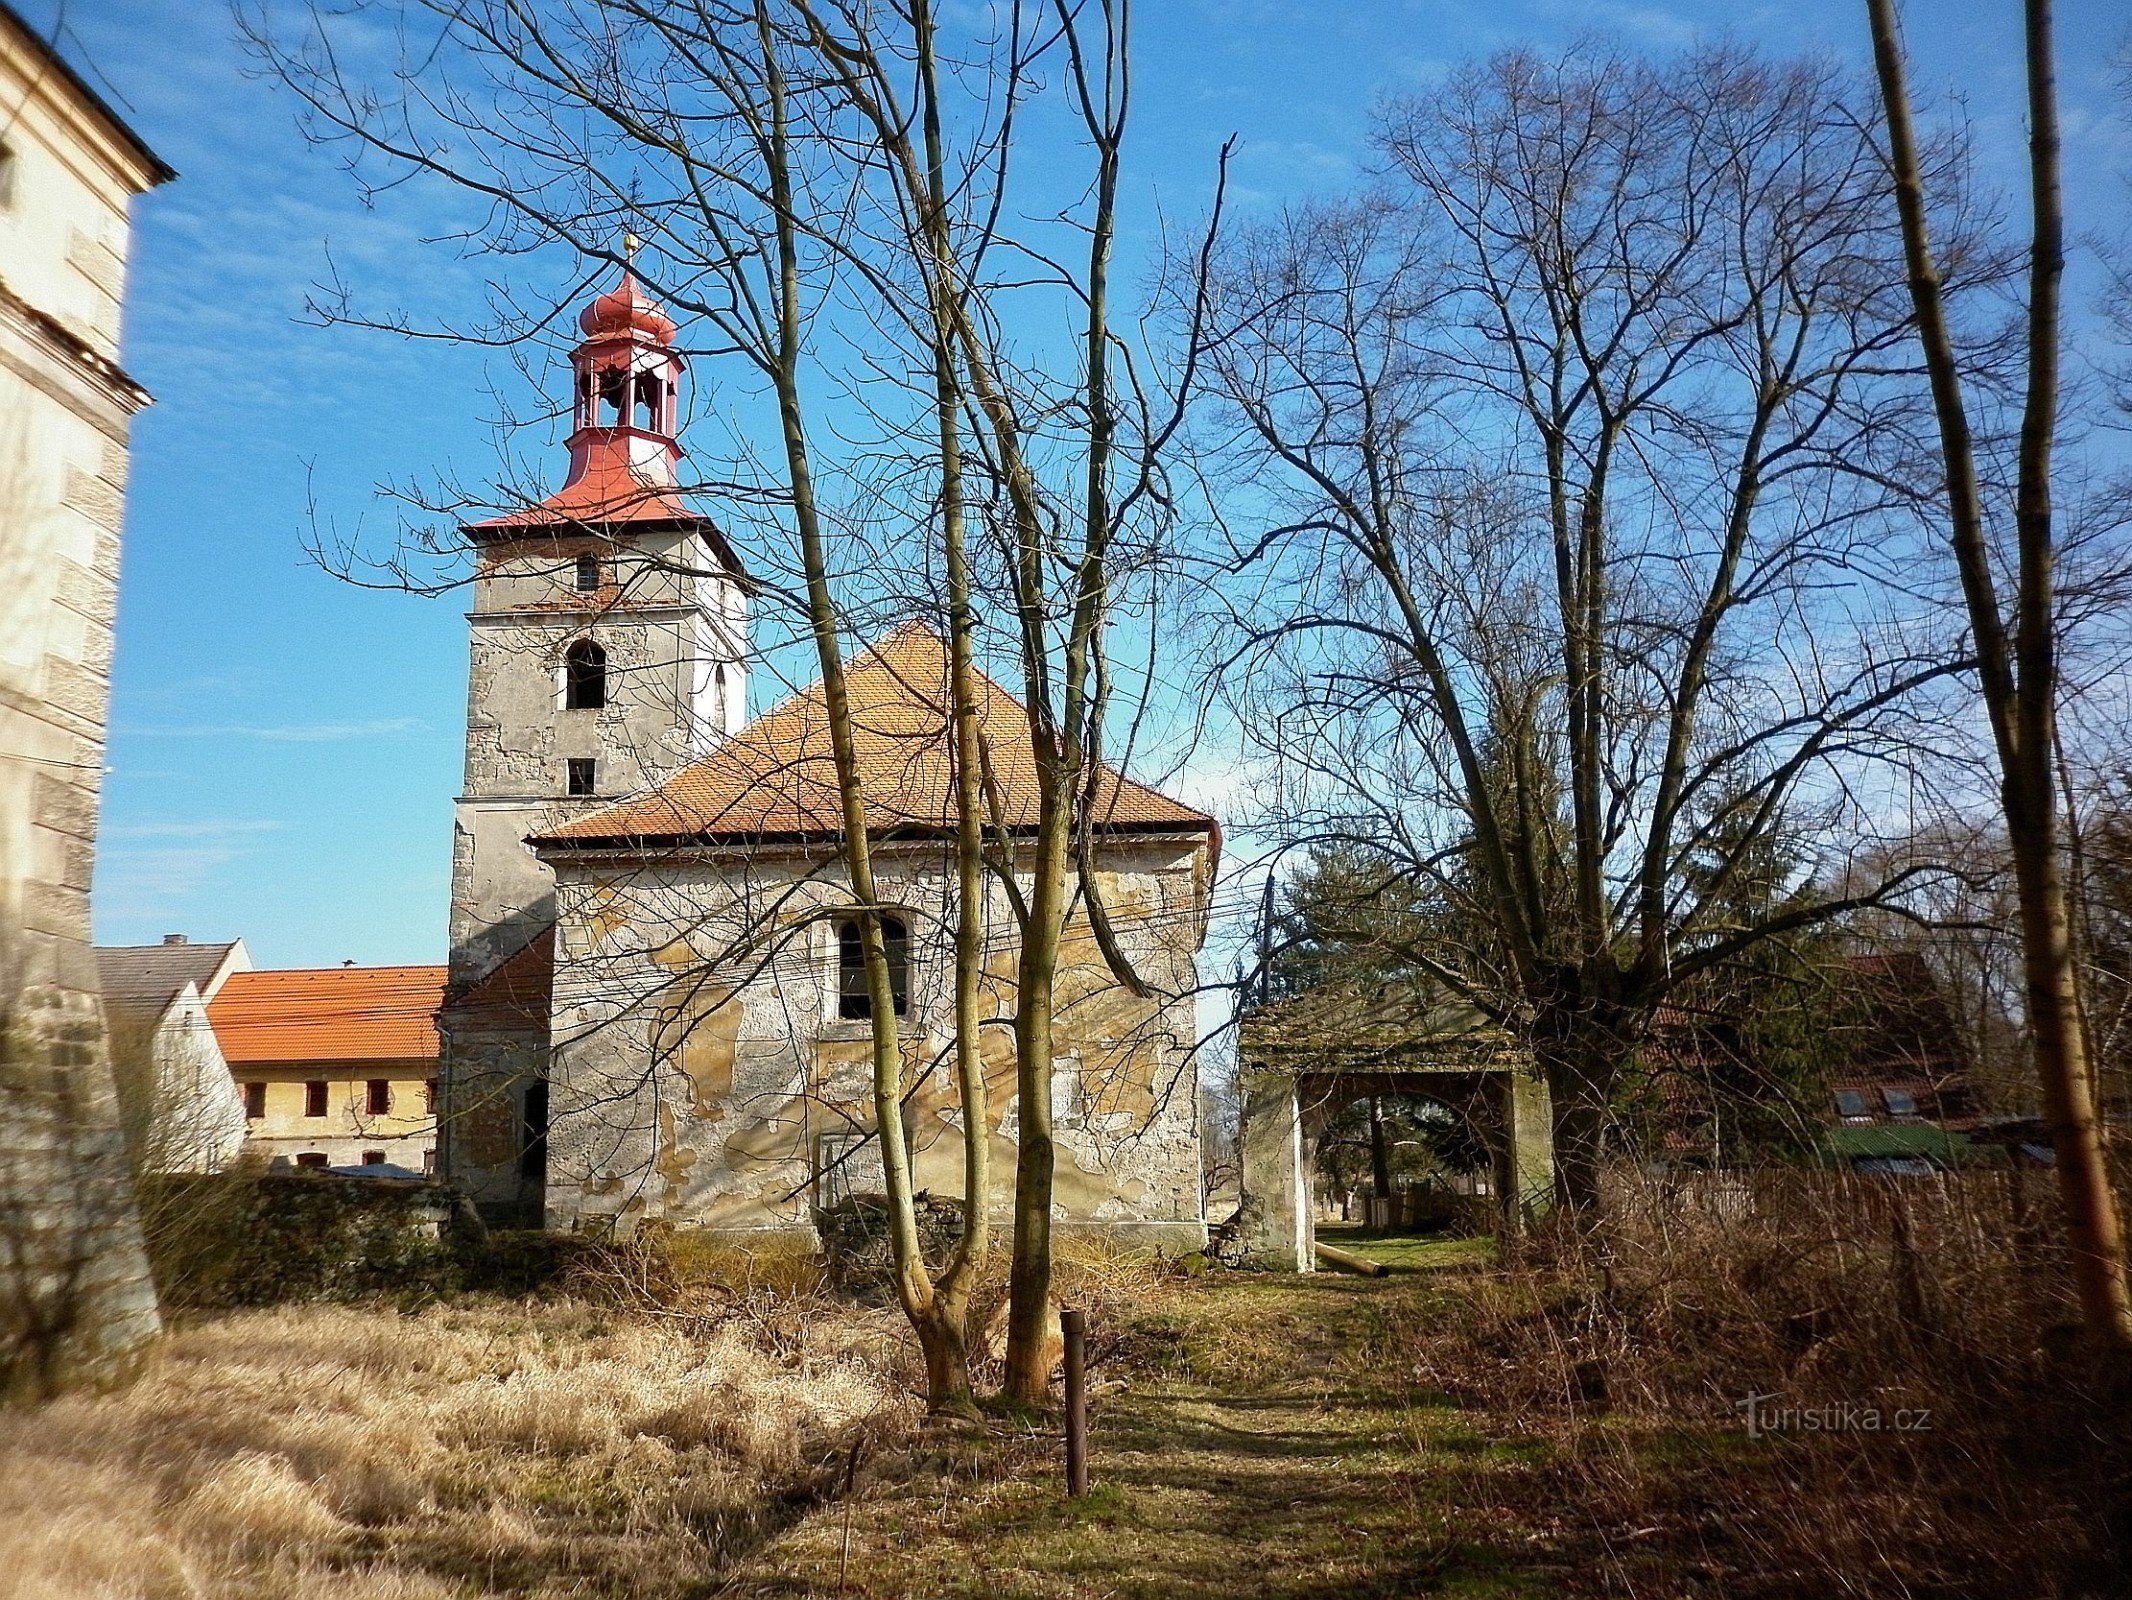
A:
(223, 829)
(299, 733)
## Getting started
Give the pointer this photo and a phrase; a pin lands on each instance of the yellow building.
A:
(337, 1066)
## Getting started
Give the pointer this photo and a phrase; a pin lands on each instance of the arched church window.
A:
(853, 1000)
(614, 396)
(649, 393)
(584, 677)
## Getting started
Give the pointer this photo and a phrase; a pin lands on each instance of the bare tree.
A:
(1579, 445)
(2017, 655)
(1081, 513)
(801, 186)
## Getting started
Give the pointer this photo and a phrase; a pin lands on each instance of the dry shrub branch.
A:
(1796, 1381)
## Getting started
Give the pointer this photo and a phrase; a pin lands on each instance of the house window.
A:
(312, 1158)
(429, 1162)
(8, 165)
(584, 677)
(373, 1158)
(853, 1001)
(1900, 1102)
(588, 574)
(429, 1096)
(1851, 1105)
(377, 1097)
(255, 1101)
(581, 776)
(315, 1098)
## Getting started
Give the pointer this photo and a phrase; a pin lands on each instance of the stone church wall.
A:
(702, 1075)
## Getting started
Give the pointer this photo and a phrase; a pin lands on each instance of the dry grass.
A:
(1612, 1377)
(476, 1449)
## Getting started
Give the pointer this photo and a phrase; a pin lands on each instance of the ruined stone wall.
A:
(701, 1073)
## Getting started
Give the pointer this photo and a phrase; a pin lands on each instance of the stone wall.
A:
(675, 639)
(701, 1073)
(75, 1298)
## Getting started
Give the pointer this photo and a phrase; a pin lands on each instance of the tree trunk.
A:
(2093, 1234)
(2019, 681)
(1581, 1068)
(1028, 1378)
(914, 1286)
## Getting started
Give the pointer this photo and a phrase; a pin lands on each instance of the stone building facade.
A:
(651, 1011)
(77, 1297)
(711, 1049)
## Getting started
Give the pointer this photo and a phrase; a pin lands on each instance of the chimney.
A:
(174, 938)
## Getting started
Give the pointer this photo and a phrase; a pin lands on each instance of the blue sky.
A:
(285, 747)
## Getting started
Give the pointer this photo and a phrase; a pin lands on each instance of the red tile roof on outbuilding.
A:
(328, 1014)
(775, 780)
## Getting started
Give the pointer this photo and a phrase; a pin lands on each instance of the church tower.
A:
(608, 650)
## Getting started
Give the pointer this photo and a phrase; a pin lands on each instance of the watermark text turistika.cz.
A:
(1768, 1413)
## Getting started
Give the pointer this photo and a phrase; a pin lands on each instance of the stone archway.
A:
(1301, 1058)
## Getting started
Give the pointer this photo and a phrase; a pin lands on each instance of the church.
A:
(655, 1007)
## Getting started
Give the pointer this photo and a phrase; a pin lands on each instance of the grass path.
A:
(1246, 1442)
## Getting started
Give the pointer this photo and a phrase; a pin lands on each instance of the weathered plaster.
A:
(701, 1073)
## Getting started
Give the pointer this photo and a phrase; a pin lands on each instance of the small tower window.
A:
(581, 776)
(584, 677)
(854, 1003)
(588, 574)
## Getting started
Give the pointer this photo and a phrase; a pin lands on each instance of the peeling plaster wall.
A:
(668, 635)
(701, 1073)
(674, 633)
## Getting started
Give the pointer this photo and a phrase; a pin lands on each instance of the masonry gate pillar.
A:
(1527, 1172)
(1273, 1222)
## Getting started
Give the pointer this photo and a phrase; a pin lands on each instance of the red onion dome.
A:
(626, 309)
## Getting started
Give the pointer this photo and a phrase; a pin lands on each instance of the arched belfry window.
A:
(853, 1000)
(584, 677)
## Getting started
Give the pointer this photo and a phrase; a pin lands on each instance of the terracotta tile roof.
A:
(775, 779)
(328, 1014)
(606, 493)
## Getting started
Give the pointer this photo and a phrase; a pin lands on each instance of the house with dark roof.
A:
(334, 1066)
(175, 1092)
(657, 1006)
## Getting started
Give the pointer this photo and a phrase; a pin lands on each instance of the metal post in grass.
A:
(1073, 1325)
